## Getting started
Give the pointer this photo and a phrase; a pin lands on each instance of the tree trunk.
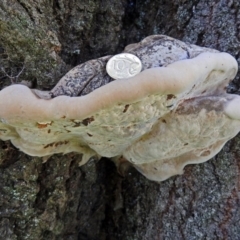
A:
(39, 42)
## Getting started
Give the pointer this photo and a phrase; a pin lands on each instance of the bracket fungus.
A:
(175, 112)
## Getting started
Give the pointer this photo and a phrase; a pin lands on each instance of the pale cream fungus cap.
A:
(159, 120)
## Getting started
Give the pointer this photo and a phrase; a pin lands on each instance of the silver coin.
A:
(123, 65)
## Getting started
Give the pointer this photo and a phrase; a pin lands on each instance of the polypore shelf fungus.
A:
(175, 112)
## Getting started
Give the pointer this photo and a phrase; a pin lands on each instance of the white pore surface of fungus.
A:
(160, 120)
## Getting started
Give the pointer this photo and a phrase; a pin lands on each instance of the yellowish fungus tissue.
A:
(173, 113)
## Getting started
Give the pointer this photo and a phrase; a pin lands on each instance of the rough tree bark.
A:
(57, 199)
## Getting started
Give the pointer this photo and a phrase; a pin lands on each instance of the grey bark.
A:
(57, 199)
